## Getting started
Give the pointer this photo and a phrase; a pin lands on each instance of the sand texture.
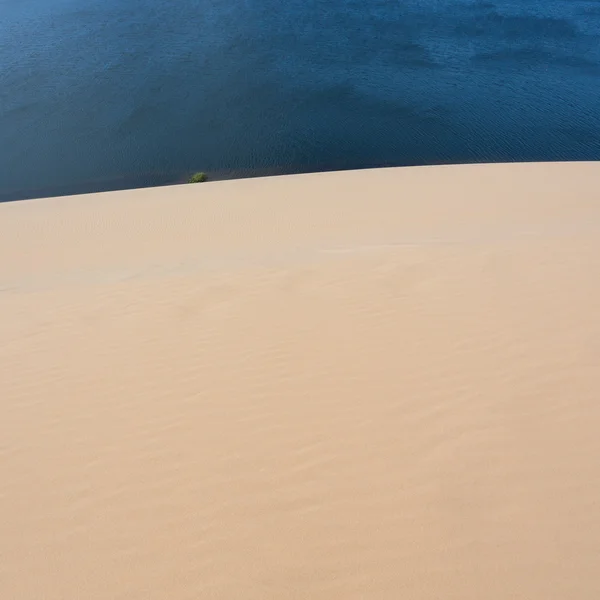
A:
(369, 385)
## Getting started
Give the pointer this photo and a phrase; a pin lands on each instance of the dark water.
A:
(105, 94)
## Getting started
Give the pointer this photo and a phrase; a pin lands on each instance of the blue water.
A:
(106, 94)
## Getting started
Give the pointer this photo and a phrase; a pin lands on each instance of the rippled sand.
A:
(380, 384)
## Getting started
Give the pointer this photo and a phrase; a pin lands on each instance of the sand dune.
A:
(376, 384)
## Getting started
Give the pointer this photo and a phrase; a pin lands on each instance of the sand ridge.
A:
(371, 384)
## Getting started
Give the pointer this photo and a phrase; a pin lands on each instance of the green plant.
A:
(197, 178)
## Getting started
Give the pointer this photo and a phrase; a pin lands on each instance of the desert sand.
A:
(376, 384)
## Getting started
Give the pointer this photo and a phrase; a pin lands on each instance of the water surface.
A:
(107, 94)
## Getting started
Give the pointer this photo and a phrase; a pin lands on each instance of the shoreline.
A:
(152, 180)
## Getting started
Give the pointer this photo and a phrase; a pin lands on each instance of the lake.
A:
(108, 94)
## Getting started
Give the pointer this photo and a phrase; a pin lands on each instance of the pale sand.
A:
(380, 384)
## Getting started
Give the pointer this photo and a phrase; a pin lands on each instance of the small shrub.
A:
(197, 178)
